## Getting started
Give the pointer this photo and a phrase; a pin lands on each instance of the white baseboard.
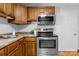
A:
(68, 50)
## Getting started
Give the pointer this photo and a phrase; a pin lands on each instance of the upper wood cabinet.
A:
(47, 10)
(7, 8)
(20, 13)
(2, 7)
(32, 13)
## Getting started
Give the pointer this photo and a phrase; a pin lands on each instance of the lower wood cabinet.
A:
(15, 52)
(30, 46)
(22, 47)
(30, 49)
(12, 47)
(2, 52)
(21, 50)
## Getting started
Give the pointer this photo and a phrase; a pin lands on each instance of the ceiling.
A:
(50, 4)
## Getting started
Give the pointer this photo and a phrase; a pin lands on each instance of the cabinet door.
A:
(24, 14)
(21, 50)
(21, 47)
(9, 9)
(30, 48)
(50, 10)
(15, 52)
(2, 5)
(32, 13)
(17, 13)
(20, 13)
(12, 47)
(47, 10)
(2, 52)
(41, 10)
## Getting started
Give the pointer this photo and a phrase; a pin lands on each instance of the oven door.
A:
(47, 46)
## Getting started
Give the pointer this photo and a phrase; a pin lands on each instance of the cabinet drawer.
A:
(12, 46)
(30, 42)
(30, 39)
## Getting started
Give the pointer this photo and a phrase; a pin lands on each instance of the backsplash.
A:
(27, 27)
(5, 27)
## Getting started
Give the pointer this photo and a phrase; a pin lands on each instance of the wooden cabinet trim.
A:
(12, 52)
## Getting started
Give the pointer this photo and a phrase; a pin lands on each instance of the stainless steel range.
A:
(47, 42)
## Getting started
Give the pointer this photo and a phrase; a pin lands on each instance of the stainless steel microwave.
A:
(46, 20)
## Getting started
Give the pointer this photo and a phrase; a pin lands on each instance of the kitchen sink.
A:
(8, 36)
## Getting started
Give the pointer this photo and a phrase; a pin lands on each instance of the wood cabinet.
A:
(13, 48)
(7, 8)
(20, 13)
(2, 52)
(1, 7)
(32, 13)
(47, 10)
(15, 52)
(21, 47)
(30, 46)
(16, 48)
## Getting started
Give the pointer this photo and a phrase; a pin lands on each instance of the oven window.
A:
(47, 43)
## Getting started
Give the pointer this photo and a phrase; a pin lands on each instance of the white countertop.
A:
(5, 42)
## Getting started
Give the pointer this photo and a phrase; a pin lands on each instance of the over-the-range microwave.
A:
(46, 20)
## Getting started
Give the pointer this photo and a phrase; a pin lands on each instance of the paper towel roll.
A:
(13, 33)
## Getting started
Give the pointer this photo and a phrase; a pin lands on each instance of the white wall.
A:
(67, 27)
(5, 27)
(78, 30)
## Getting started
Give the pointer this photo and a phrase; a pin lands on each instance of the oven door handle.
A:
(47, 38)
